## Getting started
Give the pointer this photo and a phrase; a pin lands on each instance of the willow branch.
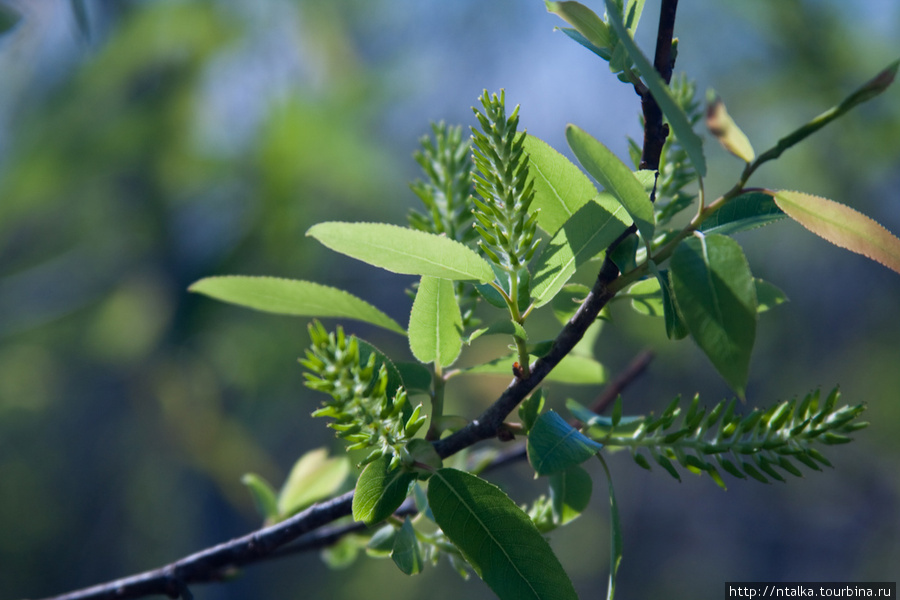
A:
(217, 562)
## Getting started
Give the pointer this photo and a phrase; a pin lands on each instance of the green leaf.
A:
(530, 408)
(716, 296)
(675, 327)
(614, 176)
(721, 125)
(842, 226)
(678, 120)
(578, 37)
(313, 477)
(402, 250)
(502, 327)
(497, 538)
(435, 323)
(587, 233)
(417, 379)
(554, 445)
(585, 21)
(264, 498)
(747, 211)
(573, 369)
(292, 297)
(560, 188)
(380, 491)
(570, 493)
(406, 553)
(768, 296)
(568, 300)
(866, 92)
(615, 537)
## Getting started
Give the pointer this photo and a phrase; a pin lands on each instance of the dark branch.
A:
(214, 564)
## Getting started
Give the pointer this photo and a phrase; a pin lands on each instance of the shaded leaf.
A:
(292, 297)
(681, 126)
(402, 250)
(560, 188)
(614, 176)
(502, 327)
(435, 323)
(380, 490)
(313, 477)
(406, 553)
(587, 233)
(615, 535)
(747, 211)
(768, 296)
(568, 300)
(554, 445)
(497, 538)
(570, 493)
(530, 408)
(842, 226)
(264, 497)
(416, 378)
(716, 296)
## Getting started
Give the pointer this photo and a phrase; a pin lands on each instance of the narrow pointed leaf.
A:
(842, 226)
(554, 445)
(721, 125)
(314, 476)
(435, 323)
(587, 233)
(716, 296)
(615, 535)
(614, 176)
(747, 211)
(403, 250)
(264, 497)
(584, 20)
(579, 37)
(497, 538)
(560, 188)
(292, 297)
(866, 92)
(768, 296)
(685, 134)
(380, 491)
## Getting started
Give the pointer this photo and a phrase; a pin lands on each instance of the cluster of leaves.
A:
(696, 437)
(521, 185)
(369, 410)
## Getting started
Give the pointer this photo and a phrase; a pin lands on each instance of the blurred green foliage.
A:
(166, 141)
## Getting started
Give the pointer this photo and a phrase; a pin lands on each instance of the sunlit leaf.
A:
(403, 250)
(314, 476)
(585, 21)
(554, 445)
(573, 369)
(587, 233)
(380, 491)
(721, 125)
(842, 226)
(716, 296)
(435, 323)
(614, 176)
(292, 297)
(678, 120)
(497, 538)
(560, 188)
